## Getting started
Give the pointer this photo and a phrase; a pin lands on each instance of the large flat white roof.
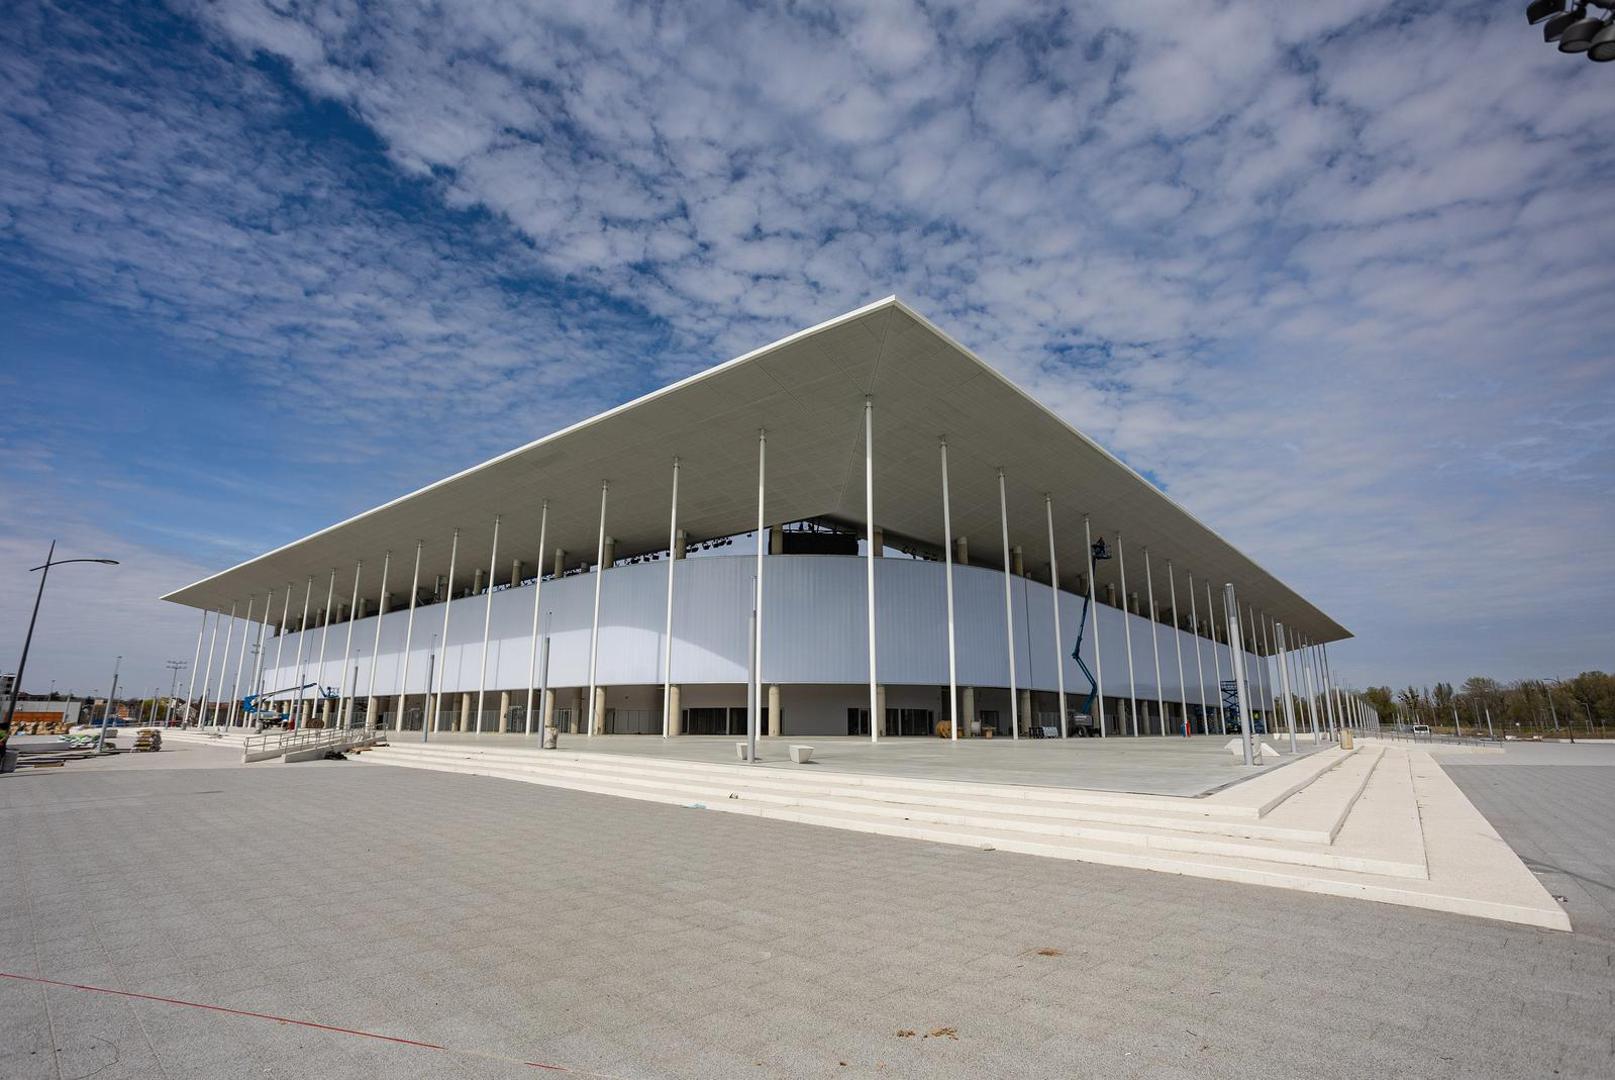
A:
(808, 391)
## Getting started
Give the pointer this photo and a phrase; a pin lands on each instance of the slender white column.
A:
(1054, 580)
(1216, 656)
(280, 635)
(667, 626)
(257, 684)
(1312, 691)
(1325, 719)
(1127, 625)
(1155, 641)
(1009, 616)
(375, 648)
(302, 641)
(241, 662)
(1321, 689)
(207, 672)
(1332, 692)
(1284, 683)
(487, 623)
(190, 690)
(756, 689)
(442, 675)
(1093, 613)
(1199, 663)
(1252, 657)
(345, 714)
(875, 719)
(947, 556)
(1258, 644)
(325, 633)
(224, 657)
(538, 591)
(409, 640)
(1236, 658)
(1177, 641)
(1231, 605)
(594, 625)
(1267, 667)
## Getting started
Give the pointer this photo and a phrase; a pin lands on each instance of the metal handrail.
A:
(303, 739)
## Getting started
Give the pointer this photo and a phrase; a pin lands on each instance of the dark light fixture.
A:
(1577, 26)
(1555, 27)
(1578, 36)
(1603, 44)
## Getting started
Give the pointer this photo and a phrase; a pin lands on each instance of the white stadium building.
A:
(860, 519)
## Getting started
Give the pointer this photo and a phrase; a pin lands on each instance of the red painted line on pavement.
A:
(270, 1016)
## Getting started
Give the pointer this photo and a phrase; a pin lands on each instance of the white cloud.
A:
(1329, 283)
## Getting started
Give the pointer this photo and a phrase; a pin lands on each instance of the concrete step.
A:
(1317, 811)
(773, 796)
(1248, 801)
(787, 787)
(1491, 884)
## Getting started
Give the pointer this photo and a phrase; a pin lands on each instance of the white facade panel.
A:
(814, 632)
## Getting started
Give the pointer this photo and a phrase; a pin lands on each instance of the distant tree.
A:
(1382, 701)
(1593, 693)
(1443, 698)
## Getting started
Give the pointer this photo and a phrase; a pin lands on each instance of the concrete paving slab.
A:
(491, 885)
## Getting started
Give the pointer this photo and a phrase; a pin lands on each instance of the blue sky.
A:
(1331, 274)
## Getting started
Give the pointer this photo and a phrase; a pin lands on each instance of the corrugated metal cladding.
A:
(813, 632)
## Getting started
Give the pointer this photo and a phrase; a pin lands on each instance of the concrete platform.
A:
(1147, 765)
(1379, 823)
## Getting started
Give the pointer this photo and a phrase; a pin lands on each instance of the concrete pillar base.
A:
(504, 711)
(675, 716)
(774, 724)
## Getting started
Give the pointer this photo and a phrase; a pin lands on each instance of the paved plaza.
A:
(1555, 805)
(391, 922)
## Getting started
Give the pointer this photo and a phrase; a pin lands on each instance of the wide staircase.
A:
(1380, 822)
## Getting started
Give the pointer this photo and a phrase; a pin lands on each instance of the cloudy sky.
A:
(1330, 273)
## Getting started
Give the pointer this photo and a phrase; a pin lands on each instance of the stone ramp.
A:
(1344, 823)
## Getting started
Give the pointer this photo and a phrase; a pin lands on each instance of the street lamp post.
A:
(173, 686)
(28, 639)
(112, 696)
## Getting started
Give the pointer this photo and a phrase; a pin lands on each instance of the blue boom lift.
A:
(249, 704)
(1099, 552)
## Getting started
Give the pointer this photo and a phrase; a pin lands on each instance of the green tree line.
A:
(1579, 706)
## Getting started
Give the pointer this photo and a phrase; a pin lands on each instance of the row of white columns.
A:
(1260, 645)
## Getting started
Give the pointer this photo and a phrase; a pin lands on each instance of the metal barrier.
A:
(276, 744)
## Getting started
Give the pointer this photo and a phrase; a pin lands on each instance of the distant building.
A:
(30, 711)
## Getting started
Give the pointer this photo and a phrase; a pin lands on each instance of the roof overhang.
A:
(807, 391)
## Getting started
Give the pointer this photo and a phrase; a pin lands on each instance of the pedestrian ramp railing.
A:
(275, 744)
